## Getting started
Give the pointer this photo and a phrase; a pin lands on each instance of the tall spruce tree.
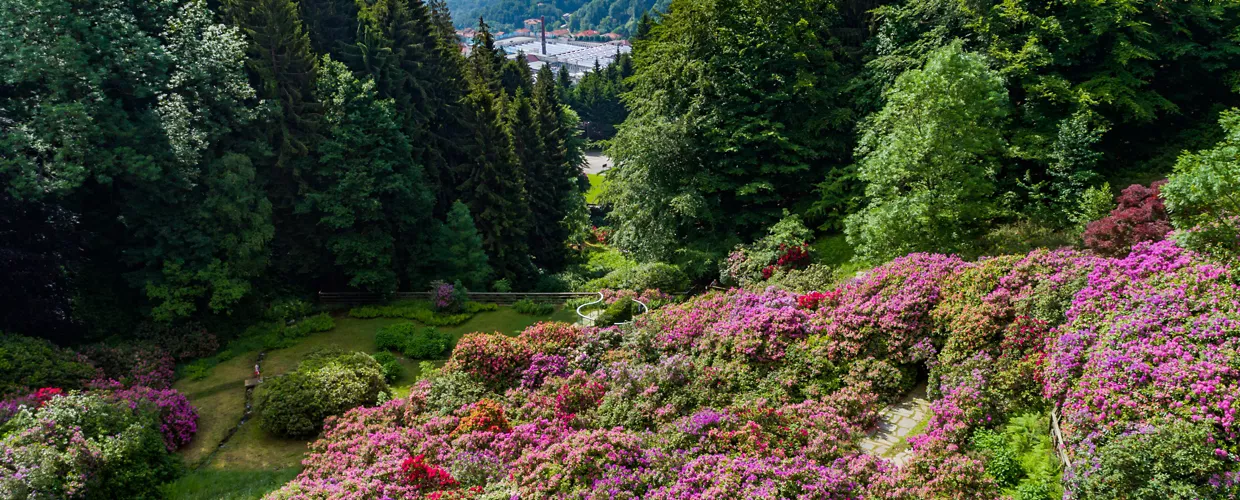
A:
(459, 254)
(332, 25)
(490, 181)
(516, 75)
(283, 69)
(551, 177)
(367, 196)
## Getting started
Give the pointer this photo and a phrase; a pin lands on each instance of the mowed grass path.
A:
(253, 463)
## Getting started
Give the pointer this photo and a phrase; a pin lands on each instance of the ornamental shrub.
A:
(325, 383)
(178, 420)
(131, 364)
(414, 341)
(84, 446)
(527, 306)
(1140, 216)
(392, 369)
(182, 342)
(1159, 459)
(28, 363)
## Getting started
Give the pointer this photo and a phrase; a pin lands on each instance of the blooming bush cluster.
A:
(1140, 216)
(766, 393)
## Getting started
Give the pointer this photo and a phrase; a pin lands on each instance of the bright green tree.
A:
(1203, 194)
(929, 157)
(459, 254)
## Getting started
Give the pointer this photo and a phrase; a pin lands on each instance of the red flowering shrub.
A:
(485, 415)
(814, 300)
(42, 396)
(494, 358)
(552, 337)
(600, 234)
(1140, 216)
(580, 393)
(425, 477)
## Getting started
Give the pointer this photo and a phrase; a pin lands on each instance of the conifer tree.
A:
(332, 25)
(490, 180)
(459, 254)
(551, 176)
(516, 75)
(370, 199)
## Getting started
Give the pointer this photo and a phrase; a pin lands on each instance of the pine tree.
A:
(459, 254)
(490, 180)
(485, 61)
(284, 68)
(448, 132)
(550, 176)
(516, 75)
(332, 25)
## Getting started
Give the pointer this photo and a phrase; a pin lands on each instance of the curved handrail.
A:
(600, 299)
(645, 308)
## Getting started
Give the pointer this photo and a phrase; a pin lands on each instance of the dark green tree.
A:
(737, 110)
(516, 76)
(332, 25)
(369, 199)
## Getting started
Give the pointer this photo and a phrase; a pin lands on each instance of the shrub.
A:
(392, 369)
(527, 306)
(310, 324)
(619, 311)
(1164, 460)
(178, 419)
(495, 359)
(133, 364)
(84, 446)
(484, 416)
(448, 297)
(27, 363)
(416, 342)
(325, 383)
(1201, 194)
(502, 286)
(423, 477)
(1141, 216)
(427, 343)
(287, 308)
(421, 312)
(182, 342)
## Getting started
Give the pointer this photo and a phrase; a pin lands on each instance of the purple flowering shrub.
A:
(766, 394)
(178, 419)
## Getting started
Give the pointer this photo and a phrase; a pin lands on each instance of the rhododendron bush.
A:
(766, 394)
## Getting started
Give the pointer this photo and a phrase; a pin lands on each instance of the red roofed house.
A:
(559, 33)
(587, 33)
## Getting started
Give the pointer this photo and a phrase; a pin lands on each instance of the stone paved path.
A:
(895, 424)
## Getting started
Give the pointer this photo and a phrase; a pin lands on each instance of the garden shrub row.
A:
(414, 341)
(422, 312)
(527, 306)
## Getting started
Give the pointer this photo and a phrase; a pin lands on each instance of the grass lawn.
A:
(596, 188)
(253, 463)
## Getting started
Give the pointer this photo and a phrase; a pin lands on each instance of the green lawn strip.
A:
(210, 483)
(220, 399)
(596, 188)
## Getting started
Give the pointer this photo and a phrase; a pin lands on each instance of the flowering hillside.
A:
(765, 394)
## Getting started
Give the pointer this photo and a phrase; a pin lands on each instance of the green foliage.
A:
(1171, 460)
(736, 110)
(527, 306)
(501, 286)
(929, 159)
(1095, 203)
(28, 363)
(85, 446)
(619, 311)
(1020, 456)
(414, 341)
(325, 383)
(392, 369)
(421, 312)
(1203, 194)
(458, 249)
(651, 275)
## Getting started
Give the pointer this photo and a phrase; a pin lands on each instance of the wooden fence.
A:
(355, 298)
(1057, 437)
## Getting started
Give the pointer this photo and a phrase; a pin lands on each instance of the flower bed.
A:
(765, 394)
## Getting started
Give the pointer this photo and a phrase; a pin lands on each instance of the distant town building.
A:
(587, 33)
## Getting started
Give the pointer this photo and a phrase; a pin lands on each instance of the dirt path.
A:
(896, 423)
